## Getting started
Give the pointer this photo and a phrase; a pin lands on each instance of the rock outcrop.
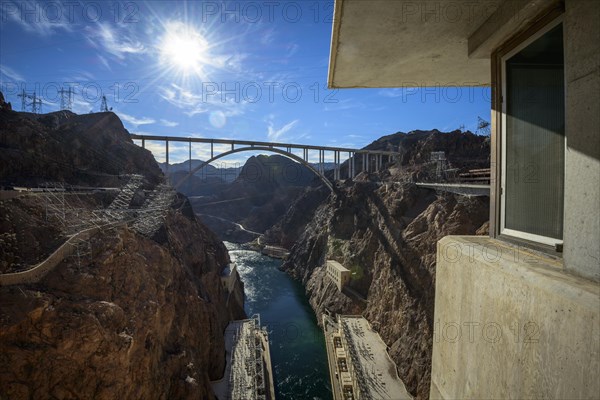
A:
(134, 319)
(90, 149)
(386, 233)
(129, 316)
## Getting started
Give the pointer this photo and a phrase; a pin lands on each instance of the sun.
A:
(183, 49)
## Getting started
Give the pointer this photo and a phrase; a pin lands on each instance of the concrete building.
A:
(338, 273)
(359, 365)
(517, 314)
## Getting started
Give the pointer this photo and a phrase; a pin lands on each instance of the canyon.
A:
(384, 228)
(143, 316)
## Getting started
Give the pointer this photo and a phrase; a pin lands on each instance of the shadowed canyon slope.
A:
(262, 193)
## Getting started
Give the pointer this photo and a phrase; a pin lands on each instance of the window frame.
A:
(502, 59)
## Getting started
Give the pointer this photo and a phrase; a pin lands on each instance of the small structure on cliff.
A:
(339, 274)
(359, 365)
(248, 373)
(275, 252)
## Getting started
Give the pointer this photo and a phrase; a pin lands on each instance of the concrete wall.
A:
(511, 324)
(337, 273)
(582, 174)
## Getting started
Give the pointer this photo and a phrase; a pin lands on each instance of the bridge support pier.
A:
(321, 161)
(167, 156)
(190, 157)
(285, 149)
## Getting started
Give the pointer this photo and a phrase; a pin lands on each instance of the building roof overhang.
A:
(408, 43)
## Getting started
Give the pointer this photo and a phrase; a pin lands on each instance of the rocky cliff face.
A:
(134, 319)
(90, 149)
(128, 316)
(386, 234)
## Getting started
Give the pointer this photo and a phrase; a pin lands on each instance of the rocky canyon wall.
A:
(384, 229)
(126, 317)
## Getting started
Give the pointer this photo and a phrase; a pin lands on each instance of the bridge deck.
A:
(257, 143)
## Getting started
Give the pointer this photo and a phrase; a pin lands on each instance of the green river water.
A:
(298, 351)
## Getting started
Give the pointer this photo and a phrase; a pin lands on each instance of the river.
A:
(298, 352)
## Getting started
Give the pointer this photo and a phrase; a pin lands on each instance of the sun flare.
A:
(183, 49)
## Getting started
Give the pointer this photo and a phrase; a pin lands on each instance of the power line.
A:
(36, 102)
(66, 98)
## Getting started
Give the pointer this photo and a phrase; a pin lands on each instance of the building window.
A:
(533, 138)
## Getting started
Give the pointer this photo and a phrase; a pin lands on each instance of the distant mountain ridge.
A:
(228, 174)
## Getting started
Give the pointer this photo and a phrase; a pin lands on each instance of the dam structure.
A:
(359, 365)
(248, 373)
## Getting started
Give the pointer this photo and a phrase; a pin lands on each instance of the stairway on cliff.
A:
(154, 210)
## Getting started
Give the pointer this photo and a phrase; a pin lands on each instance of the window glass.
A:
(535, 126)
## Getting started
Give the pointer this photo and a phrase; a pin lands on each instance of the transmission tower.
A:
(461, 128)
(36, 102)
(483, 127)
(23, 97)
(66, 99)
(104, 105)
(439, 158)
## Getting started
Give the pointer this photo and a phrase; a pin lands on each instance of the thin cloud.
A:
(267, 37)
(136, 121)
(292, 49)
(30, 16)
(183, 99)
(79, 76)
(193, 104)
(80, 106)
(10, 73)
(344, 104)
(168, 123)
(275, 134)
(391, 93)
(117, 43)
(104, 62)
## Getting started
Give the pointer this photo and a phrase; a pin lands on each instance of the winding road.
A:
(239, 226)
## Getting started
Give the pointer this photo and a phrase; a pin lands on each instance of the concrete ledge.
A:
(458, 188)
(510, 323)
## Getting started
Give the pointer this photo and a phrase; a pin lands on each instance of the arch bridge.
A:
(367, 160)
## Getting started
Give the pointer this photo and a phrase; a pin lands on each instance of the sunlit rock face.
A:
(386, 234)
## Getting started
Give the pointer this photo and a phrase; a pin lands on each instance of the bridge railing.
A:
(369, 160)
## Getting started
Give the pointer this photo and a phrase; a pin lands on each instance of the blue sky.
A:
(245, 70)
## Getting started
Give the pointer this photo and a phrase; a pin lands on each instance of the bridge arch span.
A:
(258, 148)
